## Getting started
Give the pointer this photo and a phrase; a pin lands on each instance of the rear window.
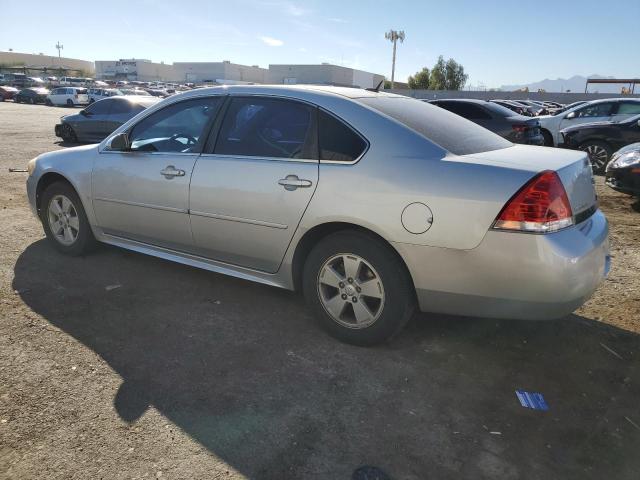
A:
(452, 132)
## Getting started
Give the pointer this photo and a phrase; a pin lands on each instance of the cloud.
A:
(272, 42)
(288, 8)
(338, 20)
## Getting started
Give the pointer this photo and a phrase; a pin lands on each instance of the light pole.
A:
(59, 47)
(393, 36)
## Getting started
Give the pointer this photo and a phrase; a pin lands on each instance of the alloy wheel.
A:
(351, 291)
(597, 155)
(63, 220)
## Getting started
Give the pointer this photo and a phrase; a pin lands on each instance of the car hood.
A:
(582, 126)
(72, 117)
(65, 154)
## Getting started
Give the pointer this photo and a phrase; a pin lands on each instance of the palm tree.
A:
(393, 36)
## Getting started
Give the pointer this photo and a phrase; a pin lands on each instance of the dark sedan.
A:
(98, 120)
(623, 171)
(31, 95)
(601, 139)
(506, 123)
(7, 93)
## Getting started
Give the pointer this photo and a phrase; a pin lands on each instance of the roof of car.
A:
(348, 92)
(469, 100)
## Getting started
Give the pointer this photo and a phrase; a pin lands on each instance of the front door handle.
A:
(291, 182)
(170, 171)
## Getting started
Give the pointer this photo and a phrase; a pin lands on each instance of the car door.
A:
(143, 193)
(249, 192)
(92, 128)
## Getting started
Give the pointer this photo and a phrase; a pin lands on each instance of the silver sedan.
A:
(373, 205)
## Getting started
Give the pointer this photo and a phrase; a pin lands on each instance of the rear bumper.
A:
(513, 275)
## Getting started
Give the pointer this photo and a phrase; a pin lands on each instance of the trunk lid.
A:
(573, 168)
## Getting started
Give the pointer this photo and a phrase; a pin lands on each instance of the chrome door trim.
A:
(144, 205)
(267, 159)
(240, 220)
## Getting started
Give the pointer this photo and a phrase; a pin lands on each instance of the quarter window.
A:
(266, 127)
(180, 127)
(338, 142)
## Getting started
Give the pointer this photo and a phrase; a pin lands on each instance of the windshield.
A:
(452, 132)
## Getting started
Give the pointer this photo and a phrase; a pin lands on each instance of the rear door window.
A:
(452, 132)
(629, 108)
(338, 142)
(267, 127)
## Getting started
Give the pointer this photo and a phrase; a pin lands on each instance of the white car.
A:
(96, 94)
(69, 96)
(609, 109)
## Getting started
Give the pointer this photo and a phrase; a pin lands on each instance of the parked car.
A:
(506, 123)
(623, 171)
(601, 139)
(569, 107)
(96, 94)
(99, 119)
(372, 204)
(31, 95)
(612, 109)
(69, 96)
(134, 91)
(7, 93)
(515, 107)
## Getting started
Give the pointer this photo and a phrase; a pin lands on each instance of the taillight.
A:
(519, 128)
(540, 206)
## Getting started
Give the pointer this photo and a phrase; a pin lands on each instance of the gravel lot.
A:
(182, 373)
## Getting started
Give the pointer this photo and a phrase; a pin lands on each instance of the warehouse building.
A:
(219, 72)
(323, 74)
(134, 69)
(40, 62)
(231, 73)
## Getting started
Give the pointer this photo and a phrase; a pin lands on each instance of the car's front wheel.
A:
(65, 221)
(69, 102)
(358, 288)
(68, 134)
(599, 154)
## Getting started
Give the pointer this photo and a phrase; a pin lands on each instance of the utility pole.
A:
(393, 36)
(59, 47)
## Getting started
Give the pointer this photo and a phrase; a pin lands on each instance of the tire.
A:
(69, 102)
(49, 102)
(80, 240)
(599, 154)
(381, 315)
(68, 134)
(548, 139)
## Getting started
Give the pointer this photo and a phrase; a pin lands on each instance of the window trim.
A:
(348, 125)
(212, 140)
(206, 130)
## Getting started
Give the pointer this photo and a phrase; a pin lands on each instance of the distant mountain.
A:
(575, 84)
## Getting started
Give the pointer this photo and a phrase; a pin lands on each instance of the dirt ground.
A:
(119, 365)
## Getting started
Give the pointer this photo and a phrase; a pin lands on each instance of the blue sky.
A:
(498, 42)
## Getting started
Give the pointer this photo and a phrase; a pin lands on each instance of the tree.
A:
(438, 78)
(420, 81)
(393, 36)
(387, 84)
(455, 78)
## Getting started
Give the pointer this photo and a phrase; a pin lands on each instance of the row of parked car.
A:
(599, 127)
(69, 96)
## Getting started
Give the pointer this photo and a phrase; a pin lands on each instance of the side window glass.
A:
(629, 108)
(119, 107)
(265, 127)
(597, 110)
(338, 142)
(100, 107)
(180, 127)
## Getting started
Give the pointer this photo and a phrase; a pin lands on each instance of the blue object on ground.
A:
(532, 400)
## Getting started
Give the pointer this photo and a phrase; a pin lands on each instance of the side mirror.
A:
(639, 123)
(120, 143)
(84, 113)
(570, 115)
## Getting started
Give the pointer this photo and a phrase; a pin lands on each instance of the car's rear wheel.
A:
(599, 154)
(358, 288)
(65, 221)
(548, 139)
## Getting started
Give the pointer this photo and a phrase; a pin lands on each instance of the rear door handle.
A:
(291, 182)
(171, 171)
